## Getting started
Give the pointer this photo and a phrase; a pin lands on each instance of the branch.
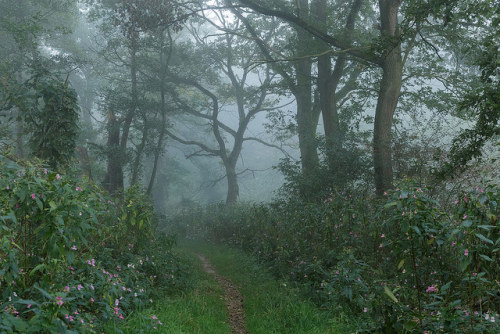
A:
(267, 144)
(192, 142)
(356, 52)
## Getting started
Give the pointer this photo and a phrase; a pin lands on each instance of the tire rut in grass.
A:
(234, 300)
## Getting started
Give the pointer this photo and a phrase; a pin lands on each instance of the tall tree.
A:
(386, 52)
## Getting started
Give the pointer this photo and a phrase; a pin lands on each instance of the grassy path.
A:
(270, 306)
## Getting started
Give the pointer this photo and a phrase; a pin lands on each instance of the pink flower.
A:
(365, 310)
(58, 176)
(79, 287)
(154, 317)
(45, 171)
(7, 187)
(33, 196)
(466, 252)
(431, 288)
(29, 306)
(74, 248)
(59, 301)
(91, 300)
(66, 288)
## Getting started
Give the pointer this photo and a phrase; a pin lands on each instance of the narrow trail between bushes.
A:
(234, 300)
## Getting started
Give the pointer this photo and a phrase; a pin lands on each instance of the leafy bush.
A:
(71, 259)
(405, 263)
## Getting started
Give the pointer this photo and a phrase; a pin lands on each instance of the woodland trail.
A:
(234, 300)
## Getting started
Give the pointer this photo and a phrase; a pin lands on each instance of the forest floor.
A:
(231, 293)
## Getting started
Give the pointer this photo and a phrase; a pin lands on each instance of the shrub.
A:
(67, 264)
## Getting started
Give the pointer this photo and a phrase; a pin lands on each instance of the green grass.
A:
(200, 310)
(270, 306)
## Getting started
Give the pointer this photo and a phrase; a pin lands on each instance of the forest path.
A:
(234, 300)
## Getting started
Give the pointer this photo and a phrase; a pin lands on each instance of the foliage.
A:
(59, 269)
(54, 126)
(483, 102)
(407, 263)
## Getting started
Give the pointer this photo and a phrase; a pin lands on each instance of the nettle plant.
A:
(57, 272)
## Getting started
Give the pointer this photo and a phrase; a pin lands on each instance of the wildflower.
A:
(79, 287)
(365, 310)
(33, 196)
(59, 301)
(465, 216)
(66, 288)
(91, 299)
(431, 288)
(29, 306)
(453, 243)
(92, 286)
(58, 176)
(404, 271)
(383, 235)
(154, 317)
(45, 171)
(466, 252)
(7, 187)
(74, 248)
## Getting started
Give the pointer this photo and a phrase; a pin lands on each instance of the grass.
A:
(200, 310)
(270, 306)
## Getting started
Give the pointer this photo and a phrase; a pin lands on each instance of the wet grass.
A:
(271, 306)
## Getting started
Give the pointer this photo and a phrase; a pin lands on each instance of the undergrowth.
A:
(406, 263)
(73, 260)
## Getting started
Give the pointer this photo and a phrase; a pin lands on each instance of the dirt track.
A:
(234, 300)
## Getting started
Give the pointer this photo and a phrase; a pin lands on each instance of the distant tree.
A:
(231, 77)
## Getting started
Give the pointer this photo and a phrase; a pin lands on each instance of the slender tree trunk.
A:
(19, 137)
(390, 87)
(133, 75)
(113, 182)
(140, 150)
(160, 146)
(19, 126)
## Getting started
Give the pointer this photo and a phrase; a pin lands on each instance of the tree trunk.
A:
(140, 150)
(133, 74)
(390, 87)
(303, 95)
(232, 184)
(113, 182)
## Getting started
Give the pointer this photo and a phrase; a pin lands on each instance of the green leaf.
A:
(388, 205)
(389, 293)
(416, 229)
(482, 237)
(486, 257)
(37, 268)
(401, 263)
(52, 205)
(467, 223)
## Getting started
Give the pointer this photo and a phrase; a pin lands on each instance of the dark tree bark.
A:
(390, 87)
(113, 181)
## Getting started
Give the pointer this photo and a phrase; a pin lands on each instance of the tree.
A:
(385, 52)
(135, 19)
(233, 75)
